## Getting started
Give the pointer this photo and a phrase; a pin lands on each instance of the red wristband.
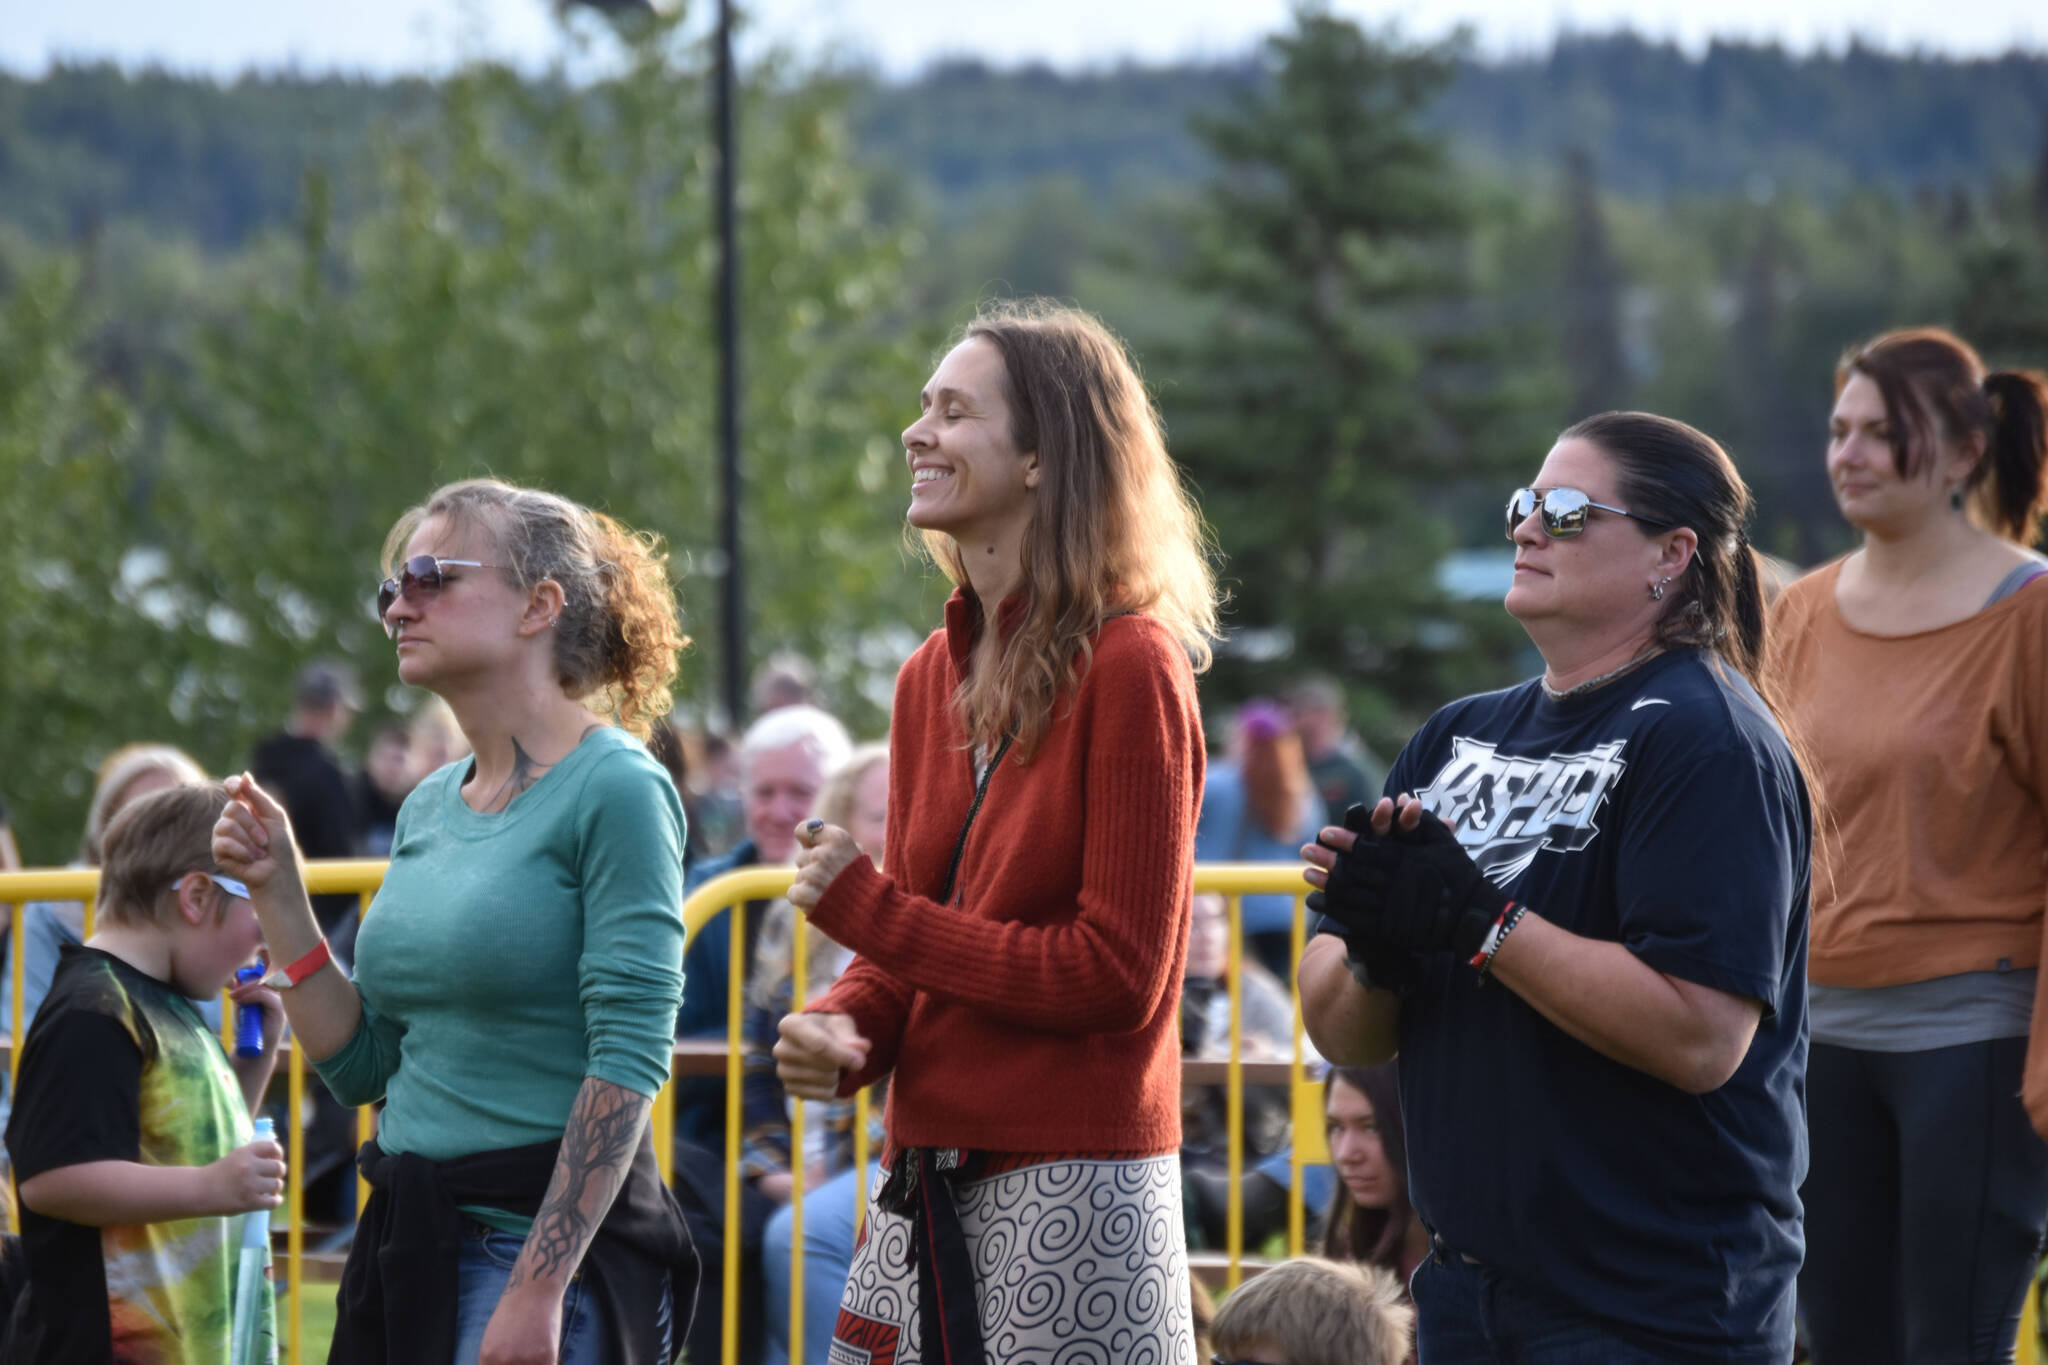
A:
(1491, 942)
(300, 970)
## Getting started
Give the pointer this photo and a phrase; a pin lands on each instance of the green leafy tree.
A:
(1345, 396)
(79, 640)
(532, 297)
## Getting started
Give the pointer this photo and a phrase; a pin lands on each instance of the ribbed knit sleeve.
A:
(879, 1007)
(1103, 964)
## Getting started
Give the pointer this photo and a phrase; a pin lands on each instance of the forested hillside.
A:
(243, 325)
(218, 163)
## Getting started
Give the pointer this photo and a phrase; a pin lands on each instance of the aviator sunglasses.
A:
(1565, 511)
(426, 573)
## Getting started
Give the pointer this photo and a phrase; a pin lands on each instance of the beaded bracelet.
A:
(1510, 916)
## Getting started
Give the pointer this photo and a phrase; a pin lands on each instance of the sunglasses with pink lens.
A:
(422, 575)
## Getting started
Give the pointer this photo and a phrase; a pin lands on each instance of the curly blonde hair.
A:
(619, 633)
(1113, 526)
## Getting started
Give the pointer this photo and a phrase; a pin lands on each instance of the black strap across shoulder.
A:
(995, 761)
(980, 793)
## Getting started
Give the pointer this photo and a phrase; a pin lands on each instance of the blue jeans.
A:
(481, 1273)
(828, 1254)
(1468, 1314)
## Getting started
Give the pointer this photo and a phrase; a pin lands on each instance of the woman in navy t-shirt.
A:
(1585, 935)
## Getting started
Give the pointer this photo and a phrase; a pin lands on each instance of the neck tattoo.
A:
(1556, 694)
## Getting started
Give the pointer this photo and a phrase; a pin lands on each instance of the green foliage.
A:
(75, 640)
(532, 298)
(529, 295)
(1368, 283)
(1343, 386)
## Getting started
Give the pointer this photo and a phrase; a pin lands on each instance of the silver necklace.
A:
(1589, 684)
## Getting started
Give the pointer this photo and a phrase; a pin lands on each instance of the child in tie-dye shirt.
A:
(131, 1132)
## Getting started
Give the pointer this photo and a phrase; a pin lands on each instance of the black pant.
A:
(1924, 1204)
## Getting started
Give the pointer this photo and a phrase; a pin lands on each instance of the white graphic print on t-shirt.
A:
(1505, 810)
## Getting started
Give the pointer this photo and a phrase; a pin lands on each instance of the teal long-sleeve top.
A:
(509, 956)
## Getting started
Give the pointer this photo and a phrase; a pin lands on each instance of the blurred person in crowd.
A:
(855, 798)
(665, 742)
(1344, 771)
(784, 757)
(1019, 961)
(1916, 671)
(787, 678)
(1310, 1311)
(518, 974)
(10, 853)
(1370, 1219)
(1205, 1109)
(298, 763)
(719, 817)
(47, 927)
(1585, 934)
(437, 739)
(1258, 806)
(386, 780)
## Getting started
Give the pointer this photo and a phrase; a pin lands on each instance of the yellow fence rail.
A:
(731, 894)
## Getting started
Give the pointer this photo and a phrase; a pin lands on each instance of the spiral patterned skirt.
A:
(1075, 1263)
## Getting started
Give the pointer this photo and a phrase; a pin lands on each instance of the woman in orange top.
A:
(1019, 952)
(1916, 672)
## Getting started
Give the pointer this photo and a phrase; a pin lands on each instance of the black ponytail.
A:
(1679, 475)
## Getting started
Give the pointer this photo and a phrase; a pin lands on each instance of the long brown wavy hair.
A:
(1113, 525)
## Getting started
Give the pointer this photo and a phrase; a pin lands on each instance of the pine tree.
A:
(1593, 353)
(1345, 390)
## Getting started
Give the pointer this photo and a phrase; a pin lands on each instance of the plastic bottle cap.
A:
(266, 1130)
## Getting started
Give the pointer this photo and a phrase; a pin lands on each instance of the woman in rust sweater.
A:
(1916, 669)
(1020, 951)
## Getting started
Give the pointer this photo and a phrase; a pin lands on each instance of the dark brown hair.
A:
(1679, 475)
(1935, 388)
(1372, 1236)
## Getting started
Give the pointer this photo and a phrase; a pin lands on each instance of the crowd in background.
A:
(1889, 1037)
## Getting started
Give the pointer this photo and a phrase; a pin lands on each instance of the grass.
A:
(318, 1312)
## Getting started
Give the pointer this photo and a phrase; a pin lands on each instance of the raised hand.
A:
(823, 852)
(252, 840)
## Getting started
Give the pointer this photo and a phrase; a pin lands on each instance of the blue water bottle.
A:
(248, 1018)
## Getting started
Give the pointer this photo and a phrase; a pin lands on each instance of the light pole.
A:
(732, 599)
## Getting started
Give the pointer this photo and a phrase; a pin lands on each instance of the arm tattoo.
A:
(604, 1130)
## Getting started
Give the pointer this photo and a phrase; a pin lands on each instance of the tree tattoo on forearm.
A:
(604, 1130)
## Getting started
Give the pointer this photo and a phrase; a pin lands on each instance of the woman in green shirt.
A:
(517, 976)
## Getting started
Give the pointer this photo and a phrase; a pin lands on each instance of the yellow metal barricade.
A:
(1234, 880)
(731, 893)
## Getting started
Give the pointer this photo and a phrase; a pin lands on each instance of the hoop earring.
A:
(1657, 590)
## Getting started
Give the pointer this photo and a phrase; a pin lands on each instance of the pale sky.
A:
(380, 37)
